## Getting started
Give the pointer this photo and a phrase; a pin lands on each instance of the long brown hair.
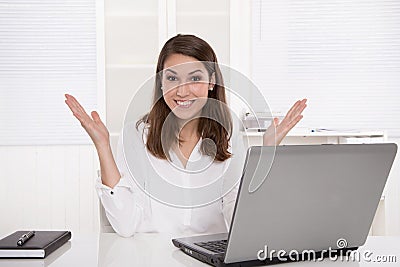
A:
(215, 122)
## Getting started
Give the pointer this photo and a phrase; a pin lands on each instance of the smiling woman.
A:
(188, 74)
(188, 139)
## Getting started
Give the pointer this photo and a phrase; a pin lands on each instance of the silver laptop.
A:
(314, 198)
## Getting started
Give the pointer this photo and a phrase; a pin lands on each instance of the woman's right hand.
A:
(93, 125)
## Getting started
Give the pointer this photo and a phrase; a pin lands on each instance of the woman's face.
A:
(185, 84)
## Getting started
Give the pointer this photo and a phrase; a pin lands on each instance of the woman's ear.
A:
(212, 82)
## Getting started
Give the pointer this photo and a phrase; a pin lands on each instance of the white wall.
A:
(48, 187)
(51, 186)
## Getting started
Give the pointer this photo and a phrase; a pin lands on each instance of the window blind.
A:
(47, 48)
(344, 56)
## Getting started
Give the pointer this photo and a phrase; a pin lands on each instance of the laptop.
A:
(315, 198)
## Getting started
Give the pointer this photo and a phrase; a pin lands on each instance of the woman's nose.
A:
(183, 90)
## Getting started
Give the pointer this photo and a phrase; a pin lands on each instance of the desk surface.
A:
(157, 250)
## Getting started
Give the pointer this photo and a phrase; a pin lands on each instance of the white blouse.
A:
(168, 197)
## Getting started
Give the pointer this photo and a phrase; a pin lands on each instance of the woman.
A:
(189, 119)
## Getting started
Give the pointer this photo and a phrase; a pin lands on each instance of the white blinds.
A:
(47, 48)
(343, 55)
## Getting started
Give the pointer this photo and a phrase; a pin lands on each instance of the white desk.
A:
(157, 250)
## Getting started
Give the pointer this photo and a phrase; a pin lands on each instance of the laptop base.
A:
(218, 259)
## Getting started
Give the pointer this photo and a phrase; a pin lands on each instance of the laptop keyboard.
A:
(217, 246)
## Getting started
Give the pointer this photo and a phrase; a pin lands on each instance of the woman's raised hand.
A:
(92, 125)
(277, 131)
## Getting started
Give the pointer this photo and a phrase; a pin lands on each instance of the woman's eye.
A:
(171, 78)
(196, 78)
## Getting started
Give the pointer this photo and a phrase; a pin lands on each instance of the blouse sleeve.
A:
(122, 203)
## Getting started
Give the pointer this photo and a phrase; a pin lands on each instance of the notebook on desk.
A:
(40, 245)
(314, 198)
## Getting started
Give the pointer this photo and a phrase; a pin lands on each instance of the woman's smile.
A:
(185, 103)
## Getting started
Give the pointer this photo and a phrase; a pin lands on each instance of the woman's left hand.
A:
(277, 131)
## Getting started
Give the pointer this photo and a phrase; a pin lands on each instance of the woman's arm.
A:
(116, 191)
(100, 136)
(275, 133)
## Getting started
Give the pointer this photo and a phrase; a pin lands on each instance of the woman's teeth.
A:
(185, 103)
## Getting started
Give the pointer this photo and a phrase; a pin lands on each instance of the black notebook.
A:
(38, 246)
